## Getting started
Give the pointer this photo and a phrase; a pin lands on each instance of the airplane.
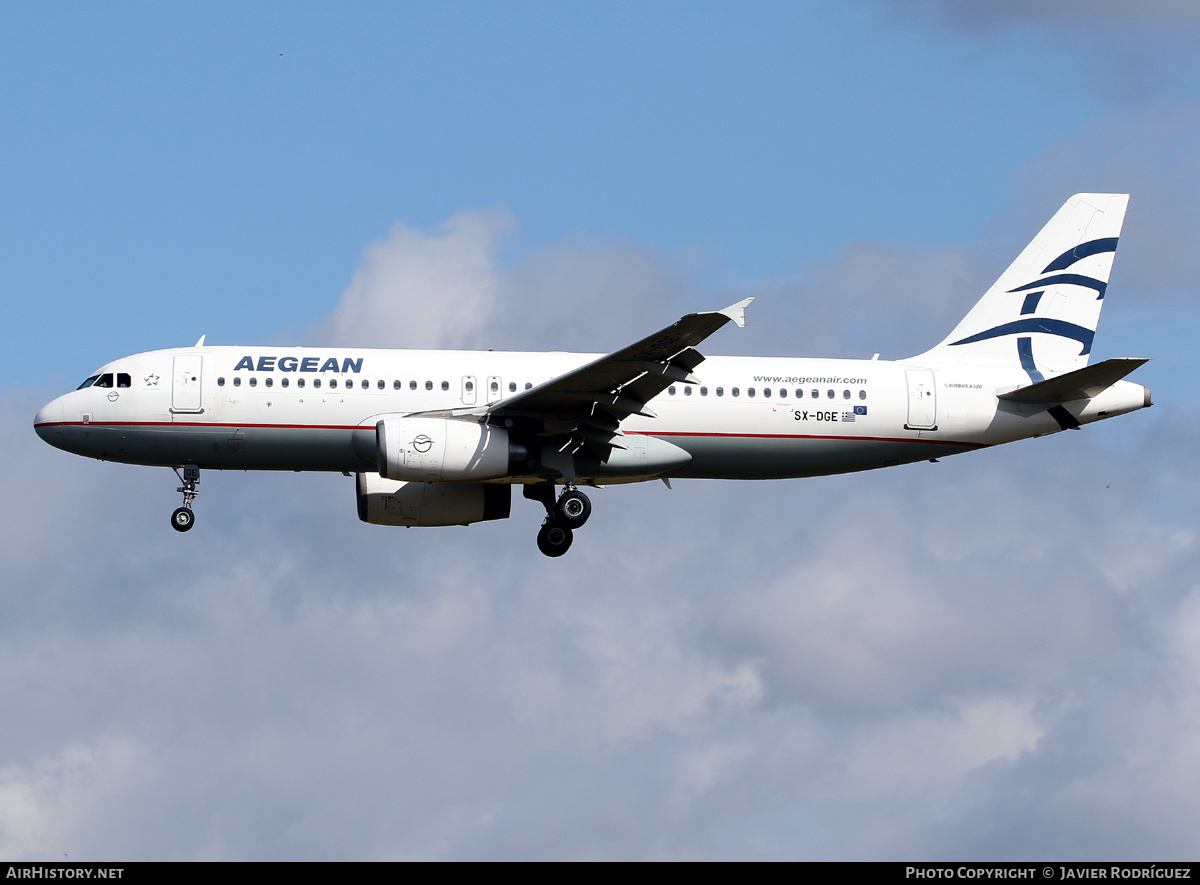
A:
(440, 437)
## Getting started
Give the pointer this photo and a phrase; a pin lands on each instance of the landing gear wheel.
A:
(554, 539)
(182, 519)
(573, 508)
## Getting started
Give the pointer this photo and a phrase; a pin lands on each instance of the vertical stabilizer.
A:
(1041, 314)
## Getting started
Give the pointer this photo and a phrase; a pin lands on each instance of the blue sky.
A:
(220, 169)
(996, 656)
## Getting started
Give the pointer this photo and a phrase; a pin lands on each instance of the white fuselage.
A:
(266, 408)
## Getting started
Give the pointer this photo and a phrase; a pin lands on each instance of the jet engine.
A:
(389, 502)
(445, 450)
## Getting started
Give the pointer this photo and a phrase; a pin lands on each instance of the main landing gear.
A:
(183, 518)
(563, 516)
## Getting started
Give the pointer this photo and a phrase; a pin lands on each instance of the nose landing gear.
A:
(563, 516)
(183, 518)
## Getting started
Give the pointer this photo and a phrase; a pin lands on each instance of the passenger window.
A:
(237, 380)
(395, 384)
(495, 388)
(735, 391)
(720, 391)
(687, 391)
(221, 381)
(528, 385)
(512, 386)
(816, 393)
(750, 391)
(445, 385)
(104, 380)
(704, 391)
(470, 385)
(254, 382)
(429, 385)
(316, 382)
(845, 394)
(283, 382)
(333, 384)
(299, 382)
(862, 394)
(123, 380)
(412, 385)
(782, 393)
(671, 390)
(767, 392)
(379, 384)
(830, 394)
(270, 381)
(799, 393)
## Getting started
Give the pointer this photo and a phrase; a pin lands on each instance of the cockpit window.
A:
(88, 383)
(123, 380)
(105, 380)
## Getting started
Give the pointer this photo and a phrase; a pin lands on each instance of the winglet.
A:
(737, 312)
(200, 343)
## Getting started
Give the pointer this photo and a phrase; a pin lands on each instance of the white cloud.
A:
(415, 289)
(44, 805)
(450, 290)
(937, 660)
(827, 668)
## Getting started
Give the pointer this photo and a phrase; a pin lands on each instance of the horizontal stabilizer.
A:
(1081, 384)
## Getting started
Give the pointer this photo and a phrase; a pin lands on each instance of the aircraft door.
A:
(469, 392)
(922, 400)
(186, 377)
(494, 388)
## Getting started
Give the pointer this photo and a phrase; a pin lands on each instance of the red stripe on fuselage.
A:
(940, 442)
(658, 433)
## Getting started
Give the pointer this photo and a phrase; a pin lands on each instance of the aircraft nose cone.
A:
(47, 415)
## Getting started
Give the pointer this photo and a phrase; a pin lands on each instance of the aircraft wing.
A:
(587, 405)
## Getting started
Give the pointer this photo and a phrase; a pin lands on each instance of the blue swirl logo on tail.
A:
(1061, 328)
(1080, 252)
(1029, 305)
(1068, 258)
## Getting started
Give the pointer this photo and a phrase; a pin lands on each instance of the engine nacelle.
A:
(389, 502)
(443, 450)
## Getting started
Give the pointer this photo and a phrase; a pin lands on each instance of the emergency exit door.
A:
(186, 378)
(922, 400)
